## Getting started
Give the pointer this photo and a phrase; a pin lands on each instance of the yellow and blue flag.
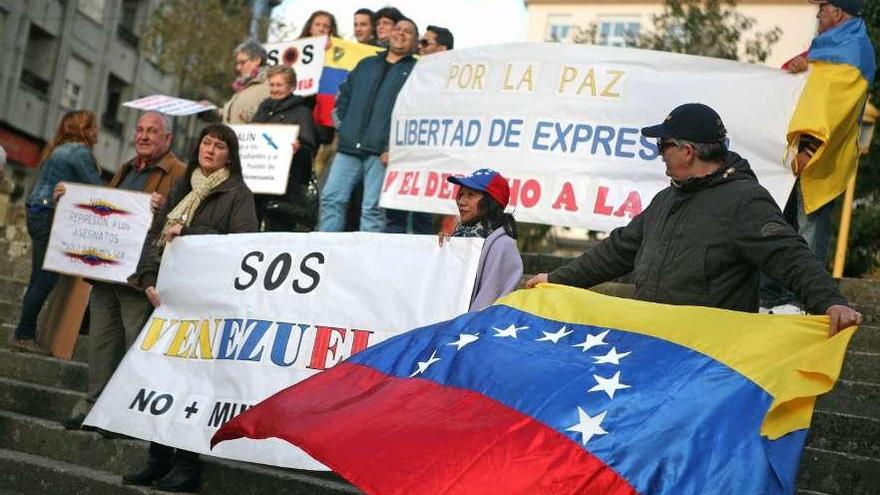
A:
(842, 65)
(340, 58)
(565, 391)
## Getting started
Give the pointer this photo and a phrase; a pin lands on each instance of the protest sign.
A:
(169, 105)
(244, 316)
(306, 56)
(98, 232)
(266, 151)
(562, 123)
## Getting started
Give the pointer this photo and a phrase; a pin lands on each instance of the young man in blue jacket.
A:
(363, 109)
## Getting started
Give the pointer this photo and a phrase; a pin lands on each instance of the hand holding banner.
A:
(98, 232)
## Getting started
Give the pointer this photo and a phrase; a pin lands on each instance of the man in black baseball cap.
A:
(705, 239)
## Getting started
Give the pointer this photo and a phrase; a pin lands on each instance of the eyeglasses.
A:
(424, 43)
(664, 144)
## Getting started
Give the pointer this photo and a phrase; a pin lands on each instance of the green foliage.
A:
(864, 253)
(194, 41)
(712, 28)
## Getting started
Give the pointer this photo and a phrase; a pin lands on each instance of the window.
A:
(559, 28)
(128, 28)
(116, 90)
(75, 80)
(40, 54)
(93, 9)
(618, 31)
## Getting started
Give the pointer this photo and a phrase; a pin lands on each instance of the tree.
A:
(864, 252)
(712, 28)
(194, 42)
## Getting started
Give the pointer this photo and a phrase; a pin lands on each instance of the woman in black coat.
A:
(281, 213)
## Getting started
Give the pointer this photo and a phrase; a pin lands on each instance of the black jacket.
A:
(704, 243)
(292, 110)
(228, 209)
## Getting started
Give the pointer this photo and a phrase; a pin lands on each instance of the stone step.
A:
(80, 353)
(11, 289)
(866, 339)
(845, 433)
(10, 312)
(852, 397)
(42, 370)
(50, 403)
(46, 438)
(15, 260)
(834, 473)
(861, 366)
(34, 475)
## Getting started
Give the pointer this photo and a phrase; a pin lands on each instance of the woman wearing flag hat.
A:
(482, 198)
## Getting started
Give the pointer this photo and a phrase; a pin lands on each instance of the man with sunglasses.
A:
(436, 39)
(704, 239)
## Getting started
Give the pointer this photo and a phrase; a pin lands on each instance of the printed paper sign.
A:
(306, 56)
(266, 152)
(169, 105)
(98, 232)
(244, 316)
(562, 123)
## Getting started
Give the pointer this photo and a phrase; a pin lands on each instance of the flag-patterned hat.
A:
(487, 181)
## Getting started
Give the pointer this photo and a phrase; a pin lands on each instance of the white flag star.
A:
(465, 339)
(509, 331)
(608, 385)
(611, 358)
(422, 366)
(592, 341)
(588, 426)
(554, 337)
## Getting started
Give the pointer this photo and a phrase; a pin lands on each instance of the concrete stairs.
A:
(38, 456)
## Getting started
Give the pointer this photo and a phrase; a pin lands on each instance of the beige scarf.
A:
(202, 185)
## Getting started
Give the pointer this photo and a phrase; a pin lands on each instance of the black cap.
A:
(692, 122)
(851, 7)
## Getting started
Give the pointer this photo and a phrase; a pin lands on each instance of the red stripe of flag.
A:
(384, 433)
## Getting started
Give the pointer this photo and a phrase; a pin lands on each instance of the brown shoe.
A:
(28, 345)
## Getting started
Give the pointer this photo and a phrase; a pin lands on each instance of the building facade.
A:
(62, 55)
(618, 22)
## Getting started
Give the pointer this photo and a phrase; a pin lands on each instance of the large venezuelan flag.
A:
(842, 65)
(560, 390)
(340, 58)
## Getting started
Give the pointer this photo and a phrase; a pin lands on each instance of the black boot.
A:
(184, 476)
(157, 466)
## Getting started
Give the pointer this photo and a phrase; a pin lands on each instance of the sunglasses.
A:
(664, 144)
(424, 43)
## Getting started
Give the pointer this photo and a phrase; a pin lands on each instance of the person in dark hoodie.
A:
(284, 212)
(704, 239)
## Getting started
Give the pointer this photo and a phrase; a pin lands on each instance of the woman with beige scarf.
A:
(211, 198)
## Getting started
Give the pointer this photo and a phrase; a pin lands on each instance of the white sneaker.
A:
(786, 309)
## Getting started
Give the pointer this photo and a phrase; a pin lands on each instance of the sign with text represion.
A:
(98, 232)
(562, 123)
(244, 316)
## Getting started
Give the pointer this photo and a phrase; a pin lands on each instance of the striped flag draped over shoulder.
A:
(842, 66)
(561, 390)
(340, 58)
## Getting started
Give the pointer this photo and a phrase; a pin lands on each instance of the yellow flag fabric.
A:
(829, 109)
(343, 54)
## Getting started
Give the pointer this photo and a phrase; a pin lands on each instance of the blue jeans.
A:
(398, 222)
(42, 282)
(346, 171)
(815, 228)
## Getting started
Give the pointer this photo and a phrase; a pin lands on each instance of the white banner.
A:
(244, 316)
(266, 151)
(562, 123)
(169, 105)
(306, 56)
(98, 232)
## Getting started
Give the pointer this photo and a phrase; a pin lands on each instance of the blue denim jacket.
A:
(70, 162)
